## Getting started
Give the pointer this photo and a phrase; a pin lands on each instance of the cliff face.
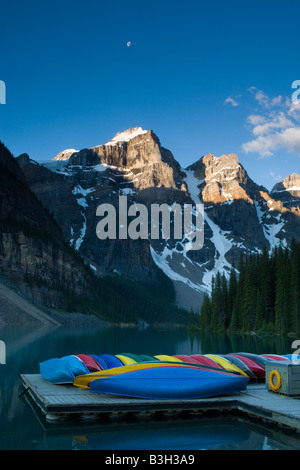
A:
(33, 252)
(222, 179)
(240, 216)
(287, 192)
(137, 154)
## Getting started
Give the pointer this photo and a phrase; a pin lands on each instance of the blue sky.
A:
(206, 76)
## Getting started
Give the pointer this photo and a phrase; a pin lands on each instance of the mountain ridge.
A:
(44, 279)
(241, 217)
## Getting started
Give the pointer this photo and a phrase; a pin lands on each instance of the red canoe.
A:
(256, 368)
(90, 362)
(206, 361)
(275, 357)
(188, 359)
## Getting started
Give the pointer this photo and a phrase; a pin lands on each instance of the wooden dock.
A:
(65, 401)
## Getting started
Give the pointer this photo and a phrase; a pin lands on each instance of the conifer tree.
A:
(264, 295)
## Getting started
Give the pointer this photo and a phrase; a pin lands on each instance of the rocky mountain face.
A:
(243, 216)
(240, 216)
(72, 190)
(33, 252)
(287, 192)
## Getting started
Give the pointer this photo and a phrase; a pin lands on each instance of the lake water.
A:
(22, 428)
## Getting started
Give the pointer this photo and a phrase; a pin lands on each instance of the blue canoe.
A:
(111, 360)
(102, 363)
(56, 371)
(76, 365)
(62, 370)
(170, 383)
(292, 357)
(261, 360)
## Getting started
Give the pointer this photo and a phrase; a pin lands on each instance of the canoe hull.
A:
(257, 369)
(206, 361)
(241, 365)
(83, 381)
(225, 363)
(75, 364)
(275, 357)
(111, 360)
(56, 371)
(90, 362)
(170, 383)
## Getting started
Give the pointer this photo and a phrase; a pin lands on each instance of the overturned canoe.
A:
(102, 363)
(125, 359)
(292, 357)
(225, 363)
(206, 361)
(111, 360)
(76, 365)
(171, 382)
(90, 362)
(146, 358)
(257, 369)
(188, 359)
(241, 365)
(166, 357)
(134, 357)
(261, 360)
(275, 357)
(83, 381)
(56, 371)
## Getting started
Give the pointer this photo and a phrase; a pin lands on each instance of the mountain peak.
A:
(124, 136)
(211, 160)
(290, 183)
(230, 159)
(222, 178)
(127, 135)
(287, 192)
(65, 154)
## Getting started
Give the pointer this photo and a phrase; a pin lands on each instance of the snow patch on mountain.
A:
(84, 192)
(57, 166)
(171, 269)
(270, 230)
(219, 237)
(127, 135)
(222, 245)
(65, 154)
(82, 233)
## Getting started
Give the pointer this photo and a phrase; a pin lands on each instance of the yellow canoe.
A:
(126, 360)
(82, 381)
(165, 357)
(226, 364)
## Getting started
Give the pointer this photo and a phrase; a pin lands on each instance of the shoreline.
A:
(16, 310)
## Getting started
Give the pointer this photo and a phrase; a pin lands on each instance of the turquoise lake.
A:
(21, 428)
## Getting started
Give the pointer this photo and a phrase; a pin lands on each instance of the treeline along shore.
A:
(261, 295)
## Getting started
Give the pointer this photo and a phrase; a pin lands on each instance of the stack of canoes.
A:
(161, 376)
